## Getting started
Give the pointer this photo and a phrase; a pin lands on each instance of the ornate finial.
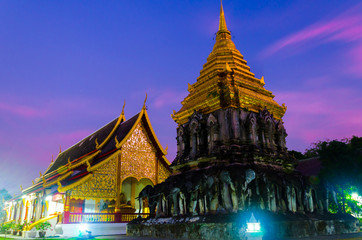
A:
(173, 114)
(262, 80)
(116, 140)
(144, 103)
(124, 104)
(222, 24)
(33, 182)
(60, 149)
(97, 144)
(166, 147)
(52, 159)
(40, 175)
(190, 88)
(69, 161)
(227, 68)
(284, 107)
(21, 187)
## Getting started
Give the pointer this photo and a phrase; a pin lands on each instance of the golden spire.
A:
(222, 24)
(225, 58)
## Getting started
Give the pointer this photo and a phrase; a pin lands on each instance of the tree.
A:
(296, 154)
(341, 169)
(4, 196)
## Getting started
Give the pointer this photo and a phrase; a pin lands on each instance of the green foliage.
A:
(20, 227)
(43, 226)
(341, 171)
(4, 196)
(5, 227)
(346, 203)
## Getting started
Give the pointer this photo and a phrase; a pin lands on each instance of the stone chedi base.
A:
(217, 201)
(234, 227)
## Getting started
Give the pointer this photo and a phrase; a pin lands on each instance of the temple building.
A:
(97, 180)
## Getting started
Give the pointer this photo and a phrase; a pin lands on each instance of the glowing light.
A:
(83, 227)
(253, 225)
(48, 198)
(355, 196)
(24, 196)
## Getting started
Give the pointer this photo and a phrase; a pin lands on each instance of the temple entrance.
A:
(130, 191)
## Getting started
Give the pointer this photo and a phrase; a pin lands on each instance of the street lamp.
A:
(253, 230)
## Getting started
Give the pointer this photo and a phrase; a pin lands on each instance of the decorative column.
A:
(133, 192)
(66, 208)
(156, 170)
(117, 207)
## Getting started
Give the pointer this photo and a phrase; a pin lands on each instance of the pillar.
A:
(133, 192)
(66, 208)
(117, 207)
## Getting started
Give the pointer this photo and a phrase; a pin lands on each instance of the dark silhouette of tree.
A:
(296, 154)
(341, 169)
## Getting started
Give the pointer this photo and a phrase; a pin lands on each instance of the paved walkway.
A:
(351, 236)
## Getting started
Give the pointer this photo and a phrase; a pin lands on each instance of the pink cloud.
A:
(344, 28)
(23, 111)
(168, 98)
(321, 114)
(356, 55)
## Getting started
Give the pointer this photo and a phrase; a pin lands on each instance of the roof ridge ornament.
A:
(144, 103)
(122, 113)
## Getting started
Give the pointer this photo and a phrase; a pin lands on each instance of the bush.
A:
(43, 226)
(5, 227)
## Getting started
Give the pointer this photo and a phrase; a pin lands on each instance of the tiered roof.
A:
(226, 75)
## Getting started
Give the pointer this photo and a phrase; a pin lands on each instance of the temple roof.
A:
(226, 81)
(88, 144)
(84, 157)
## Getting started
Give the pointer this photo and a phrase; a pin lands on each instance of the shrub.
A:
(43, 226)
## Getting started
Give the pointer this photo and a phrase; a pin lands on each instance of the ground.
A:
(352, 236)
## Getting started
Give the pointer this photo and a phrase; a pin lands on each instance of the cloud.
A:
(22, 111)
(321, 114)
(167, 98)
(344, 28)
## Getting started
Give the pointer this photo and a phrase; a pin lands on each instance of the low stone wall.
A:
(201, 228)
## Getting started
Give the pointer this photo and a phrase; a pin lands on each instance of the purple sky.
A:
(67, 66)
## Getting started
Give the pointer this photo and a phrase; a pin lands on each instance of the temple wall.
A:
(101, 186)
